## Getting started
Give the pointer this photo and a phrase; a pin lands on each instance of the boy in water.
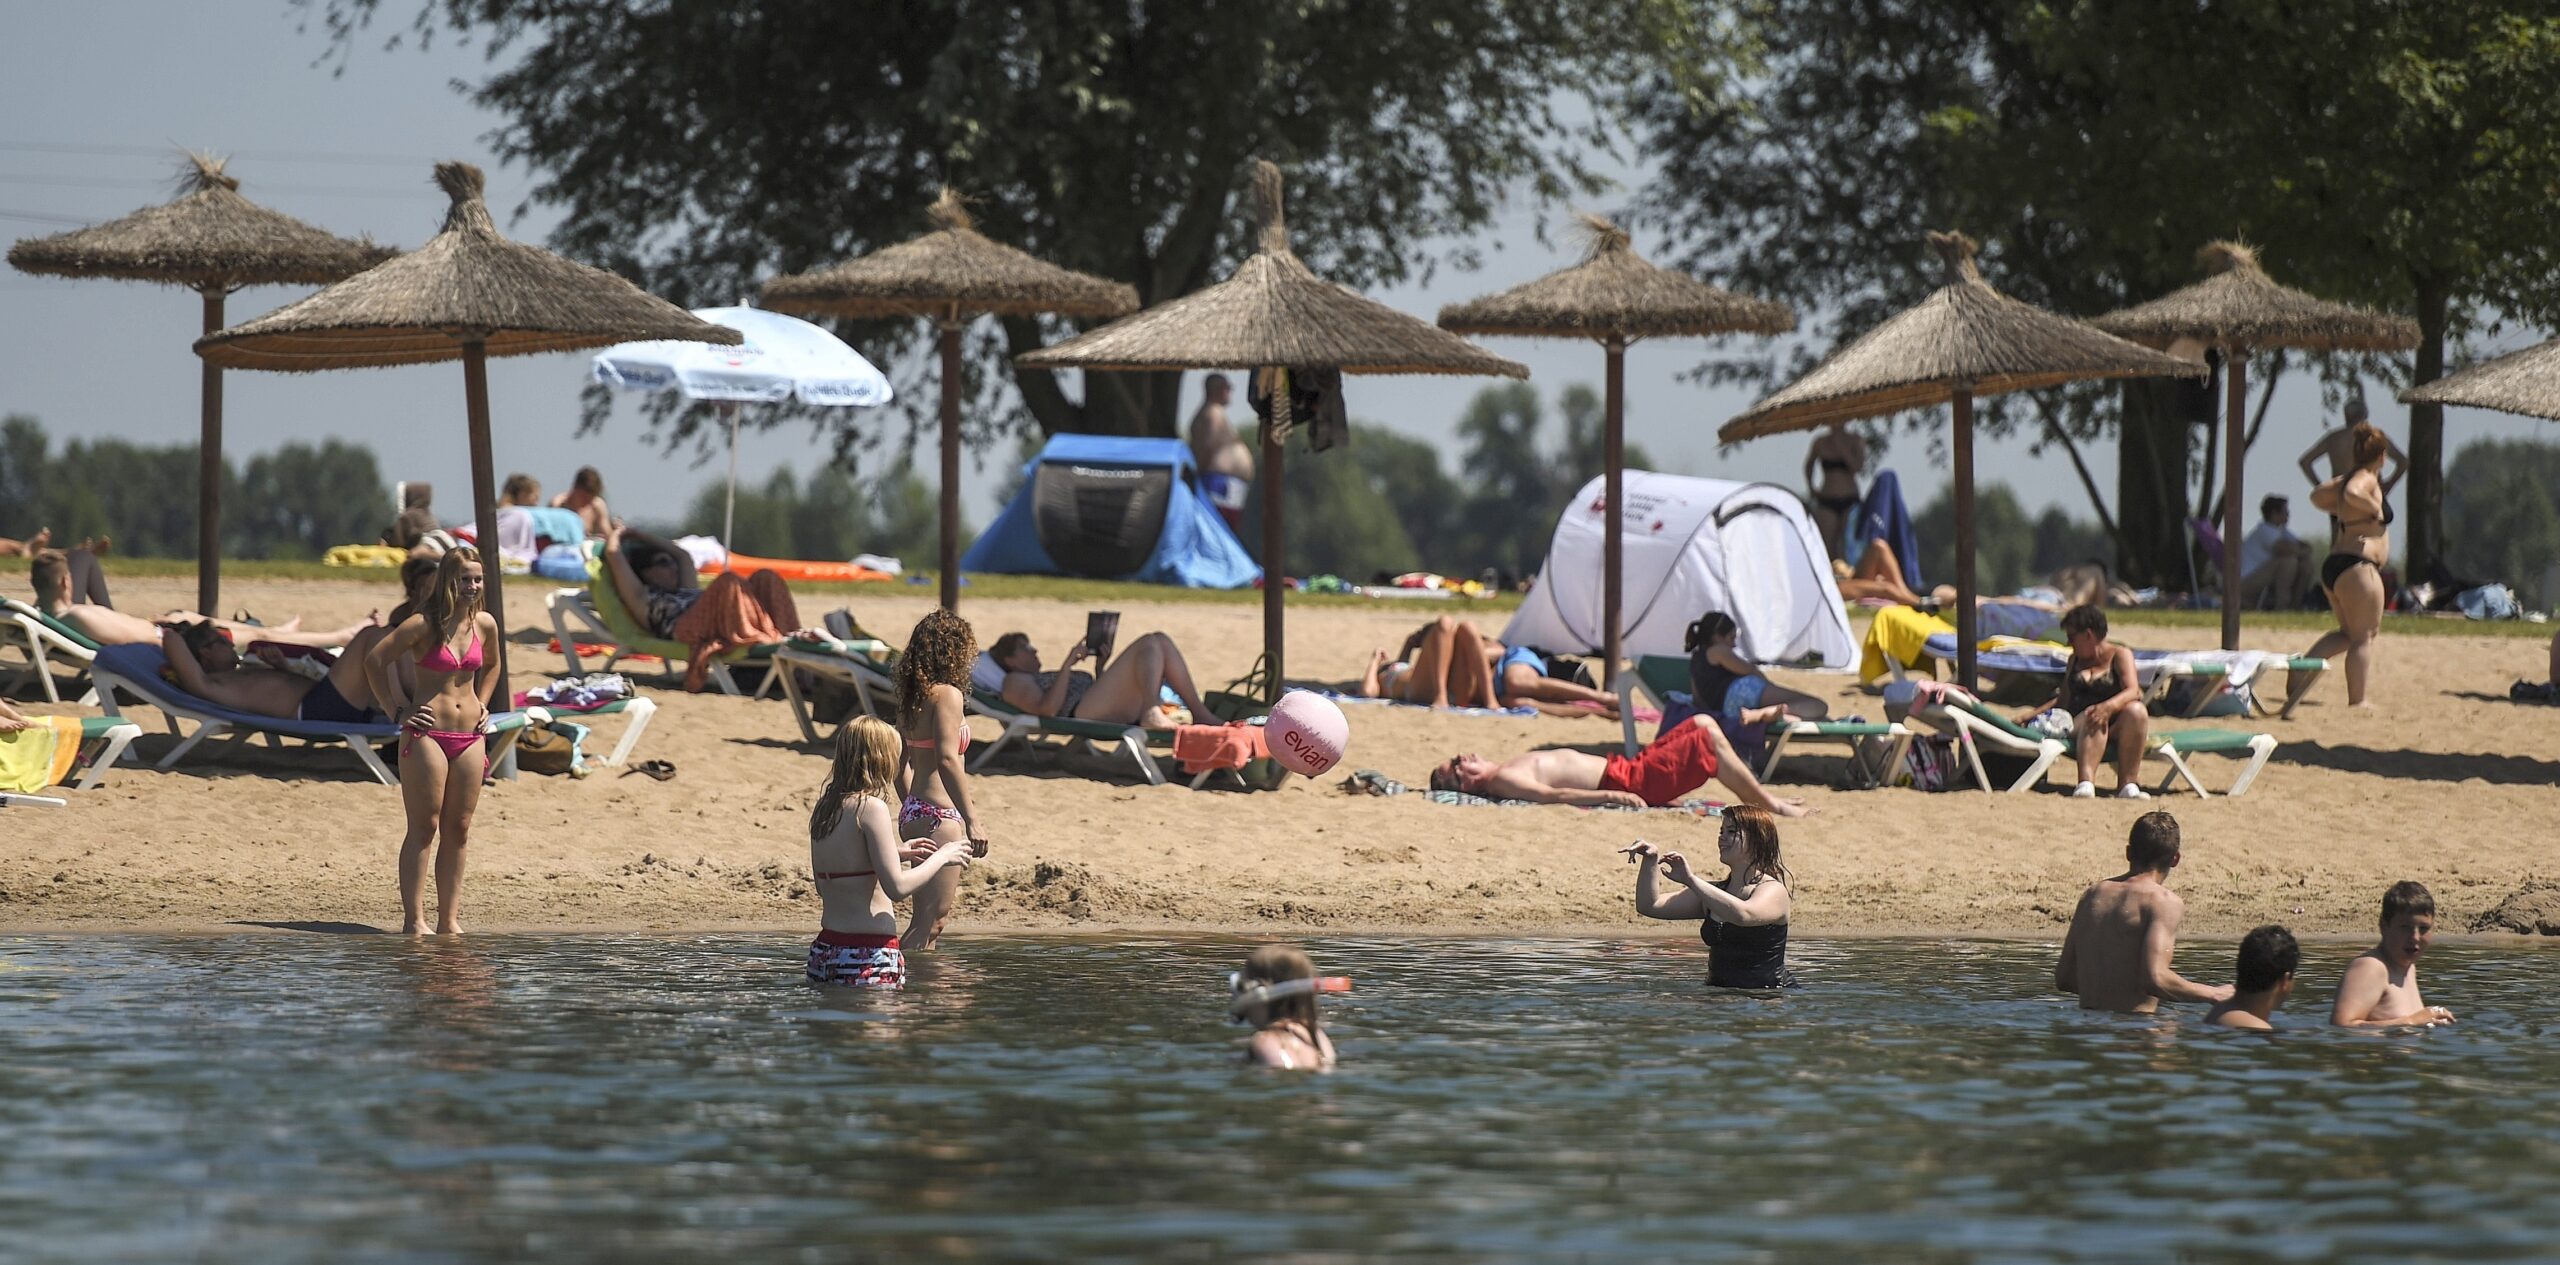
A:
(2381, 986)
(2116, 954)
(2268, 959)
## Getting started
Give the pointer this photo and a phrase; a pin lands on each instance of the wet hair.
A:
(2370, 446)
(2407, 899)
(588, 481)
(2267, 955)
(1705, 629)
(444, 607)
(1007, 646)
(1759, 828)
(1272, 964)
(520, 489)
(866, 763)
(2153, 845)
(939, 652)
(2268, 507)
(51, 569)
(2086, 617)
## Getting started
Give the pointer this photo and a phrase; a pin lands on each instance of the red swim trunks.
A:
(1677, 763)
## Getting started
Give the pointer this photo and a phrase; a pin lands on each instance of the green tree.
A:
(698, 148)
(299, 500)
(2004, 554)
(829, 517)
(2501, 520)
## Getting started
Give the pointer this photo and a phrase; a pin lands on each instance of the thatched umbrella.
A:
(1615, 297)
(213, 241)
(952, 275)
(2241, 309)
(1274, 312)
(468, 294)
(2526, 382)
(1964, 341)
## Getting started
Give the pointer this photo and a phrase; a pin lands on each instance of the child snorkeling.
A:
(1276, 993)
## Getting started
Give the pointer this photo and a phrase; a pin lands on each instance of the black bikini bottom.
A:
(1839, 504)
(2338, 564)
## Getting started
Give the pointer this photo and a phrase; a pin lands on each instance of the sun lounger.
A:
(595, 615)
(2042, 665)
(1092, 735)
(1978, 725)
(1876, 751)
(116, 732)
(135, 670)
(865, 665)
(47, 639)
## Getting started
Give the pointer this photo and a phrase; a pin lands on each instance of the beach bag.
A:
(1933, 764)
(552, 747)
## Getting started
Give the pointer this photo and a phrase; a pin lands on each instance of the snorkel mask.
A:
(1243, 997)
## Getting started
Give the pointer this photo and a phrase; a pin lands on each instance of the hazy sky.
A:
(93, 97)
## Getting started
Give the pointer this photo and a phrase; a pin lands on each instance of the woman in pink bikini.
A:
(860, 867)
(934, 775)
(444, 749)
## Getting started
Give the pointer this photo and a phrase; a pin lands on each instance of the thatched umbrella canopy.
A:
(951, 276)
(2526, 382)
(1615, 296)
(2241, 309)
(468, 294)
(1274, 312)
(1964, 341)
(213, 241)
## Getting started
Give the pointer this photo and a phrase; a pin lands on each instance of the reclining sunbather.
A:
(208, 667)
(657, 581)
(1678, 763)
(71, 587)
(1128, 692)
(1468, 668)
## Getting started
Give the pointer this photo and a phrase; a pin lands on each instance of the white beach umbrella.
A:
(783, 358)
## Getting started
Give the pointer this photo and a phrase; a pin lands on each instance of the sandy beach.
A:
(2444, 782)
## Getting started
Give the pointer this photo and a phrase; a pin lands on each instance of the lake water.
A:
(275, 1098)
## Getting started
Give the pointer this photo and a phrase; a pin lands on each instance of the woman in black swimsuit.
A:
(2352, 573)
(1842, 457)
(2103, 695)
(1744, 917)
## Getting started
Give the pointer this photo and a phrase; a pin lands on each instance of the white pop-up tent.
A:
(1692, 546)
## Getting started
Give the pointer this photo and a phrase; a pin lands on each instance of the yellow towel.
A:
(39, 756)
(364, 556)
(1899, 632)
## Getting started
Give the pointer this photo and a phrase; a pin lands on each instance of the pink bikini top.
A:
(441, 658)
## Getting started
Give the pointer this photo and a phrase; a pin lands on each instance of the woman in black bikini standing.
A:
(1842, 457)
(2352, 573)
(933, 778)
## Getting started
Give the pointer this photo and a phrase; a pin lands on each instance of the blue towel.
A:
(557, 525)
(1886, 517)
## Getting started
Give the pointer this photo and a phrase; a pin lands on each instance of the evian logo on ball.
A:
(1310, 753)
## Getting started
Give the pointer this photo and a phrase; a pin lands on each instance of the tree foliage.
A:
(828, 516)
(294, 502)
(2502, 517)
(700, 148)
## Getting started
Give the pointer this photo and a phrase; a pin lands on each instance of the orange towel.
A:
(1201, 748)
(731, 612)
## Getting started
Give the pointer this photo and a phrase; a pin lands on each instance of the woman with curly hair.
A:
(933, 777)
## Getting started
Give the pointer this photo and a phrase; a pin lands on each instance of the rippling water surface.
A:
(325, 1098)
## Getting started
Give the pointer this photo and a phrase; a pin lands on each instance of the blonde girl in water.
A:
(933, 776)
(861, 867)
(1275, 993)
(444, 719)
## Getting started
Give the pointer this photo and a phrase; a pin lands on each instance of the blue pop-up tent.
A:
(1113, 508)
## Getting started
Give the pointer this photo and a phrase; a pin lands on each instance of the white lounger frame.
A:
(37, 637)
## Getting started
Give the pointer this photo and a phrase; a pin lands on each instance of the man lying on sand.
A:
(83, 607)
(2268, 959)
(1678, 763)
(2381, 985)
(2116, 955)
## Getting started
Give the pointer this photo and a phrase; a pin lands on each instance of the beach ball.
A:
(1307, 733)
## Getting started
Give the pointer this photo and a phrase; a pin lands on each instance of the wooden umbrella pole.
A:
(1613, 552)
(2235, 411)
(950, 465)
(1275, 570)
(1966, 617)
(209, 474)
(729, 521)
(484, 496)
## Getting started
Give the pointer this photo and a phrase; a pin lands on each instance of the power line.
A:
(39, 217)
(256, 155)
(421, 190)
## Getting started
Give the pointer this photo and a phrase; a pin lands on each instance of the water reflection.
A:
(688, 1098)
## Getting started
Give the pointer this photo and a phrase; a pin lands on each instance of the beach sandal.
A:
(660, 770)
(1371, 782)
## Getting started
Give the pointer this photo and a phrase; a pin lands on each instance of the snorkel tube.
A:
(1246, 998)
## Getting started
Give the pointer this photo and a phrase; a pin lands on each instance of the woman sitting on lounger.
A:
(657, 582)
(1128, 692)
(1724, 684)
(2103, 694)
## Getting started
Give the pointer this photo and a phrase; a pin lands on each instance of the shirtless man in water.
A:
(1677, 763)
(2116, 955)
(2381, 985)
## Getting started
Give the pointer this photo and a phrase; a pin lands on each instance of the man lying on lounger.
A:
(208, 667)
(71, 587)
(1678, 763)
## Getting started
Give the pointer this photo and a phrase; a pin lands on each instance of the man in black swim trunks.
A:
(207, 666)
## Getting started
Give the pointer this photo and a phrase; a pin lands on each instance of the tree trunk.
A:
(1140, 404)
(2153, 439)
(2424, 503)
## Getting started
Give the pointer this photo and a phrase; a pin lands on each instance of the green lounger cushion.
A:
(2005, 725)
(61, 629)
(1832, 728)
(2184, 741)
(1070, 727)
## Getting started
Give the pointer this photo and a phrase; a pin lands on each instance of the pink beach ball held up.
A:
(1307, 733)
